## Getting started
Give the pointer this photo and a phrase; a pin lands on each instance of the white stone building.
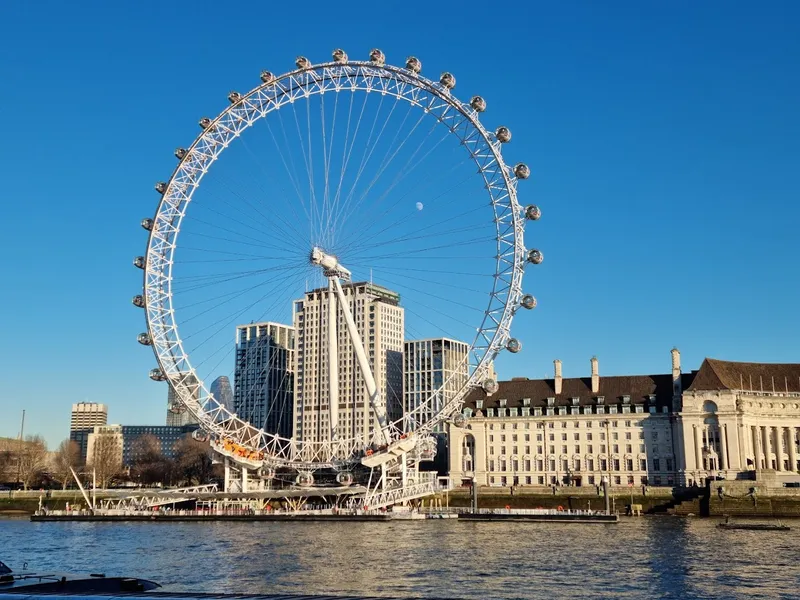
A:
(379, 319)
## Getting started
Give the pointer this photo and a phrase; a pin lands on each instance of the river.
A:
(637, 558)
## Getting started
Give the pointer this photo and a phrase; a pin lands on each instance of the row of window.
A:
(575, 465)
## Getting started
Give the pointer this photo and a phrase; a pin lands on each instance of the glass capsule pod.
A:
(204, 123)
(144, 339)
(304, 479)
(459, 420)
(344, 478)
(302, 62)
(199, 435)
(448, 80)
(478, 104)
(147, 224)
(413, 64)
(490, 386)
(161, 187)
(267, 76)
(138, 301)
(535, 256)
(339, 56)
(503, 135)
(268, 473)
(180, 153)
(533, 212)
(157, 375)
(234, 97)
(522, 171)
(139, 262)
(513, 345)
(377, 57)
(528, 301)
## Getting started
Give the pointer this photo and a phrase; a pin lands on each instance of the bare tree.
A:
(148, 463)
(8, 466)
(67, 457)
(106, 457)
(32, 460)
(194, 464)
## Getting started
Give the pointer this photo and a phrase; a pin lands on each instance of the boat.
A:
(51, 582)
(754, 526)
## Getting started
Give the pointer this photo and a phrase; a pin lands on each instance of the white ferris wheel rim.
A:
(364, 76)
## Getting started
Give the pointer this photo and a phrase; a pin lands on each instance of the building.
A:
(738, 419)
(168, 437)
(177, 413)
(104, 446)
(84, 418)
(570, 431)
(379, 319)
(263, 392)
(223, 392)
(431, 365)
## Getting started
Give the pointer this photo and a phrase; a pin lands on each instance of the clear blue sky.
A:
(663, 140)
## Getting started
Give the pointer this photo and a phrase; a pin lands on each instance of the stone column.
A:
(792, 451)
(765, 437)
(698, 445)
(723, 447)
(757, 452)
(779, 448)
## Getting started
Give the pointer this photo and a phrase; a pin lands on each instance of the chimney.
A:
(557, 365)
(676, 376)
(595, 375)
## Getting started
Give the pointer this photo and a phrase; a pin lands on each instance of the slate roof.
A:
(727, 375)
(613, 388)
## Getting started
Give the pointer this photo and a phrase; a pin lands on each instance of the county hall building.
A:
(726, 420)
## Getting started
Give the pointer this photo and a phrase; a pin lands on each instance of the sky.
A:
(662, 140)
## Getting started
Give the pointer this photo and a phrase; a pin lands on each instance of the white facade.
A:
(86, 415)
(264, 376)
(111, 450)
(380, 323)
(437, 364)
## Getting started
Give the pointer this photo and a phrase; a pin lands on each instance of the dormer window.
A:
(551, 402)
(537, 411)
(489, 412)
(503, 402)
(651, 398)
(601, 400)
(626, 399)
(526, 402)
(479, 404)
(576, 401)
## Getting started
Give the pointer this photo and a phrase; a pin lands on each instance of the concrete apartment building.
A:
(84, 418)
(379, 319)
(667, 429)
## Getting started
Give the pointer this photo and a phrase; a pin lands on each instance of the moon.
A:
(420, 206)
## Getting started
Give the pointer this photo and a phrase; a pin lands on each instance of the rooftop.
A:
(757, 377)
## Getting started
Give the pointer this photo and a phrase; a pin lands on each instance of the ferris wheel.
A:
(350, 182)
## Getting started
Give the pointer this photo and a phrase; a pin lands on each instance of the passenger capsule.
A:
(268, 473)
(199, 435)
(535, 257)
(459, 420)
(267, 77)
(377, 57)
(180, 153)
(413, 64)
(478, 104)
(513, 345)
(205, 123)
(157, 375)
(147, 224)
(528, 301)
(448, 80)
(344, 478)
(161, 187)
(139, 262)
(138, 301)
(304, 479)
(490, 386)
(533, 212)
(234, 97)
(302, 62)
(339, 56)
(503, 135)
(522, 171)
(144, 339)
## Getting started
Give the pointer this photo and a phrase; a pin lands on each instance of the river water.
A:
(637, 558)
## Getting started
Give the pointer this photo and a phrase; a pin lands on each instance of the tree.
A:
(148, 463)
(8, 466)
(193, 462)
(32, 460)
(67, 457)
(106, 457)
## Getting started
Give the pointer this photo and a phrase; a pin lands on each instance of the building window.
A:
(643, 465)
(656, 464)
(616, 464)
